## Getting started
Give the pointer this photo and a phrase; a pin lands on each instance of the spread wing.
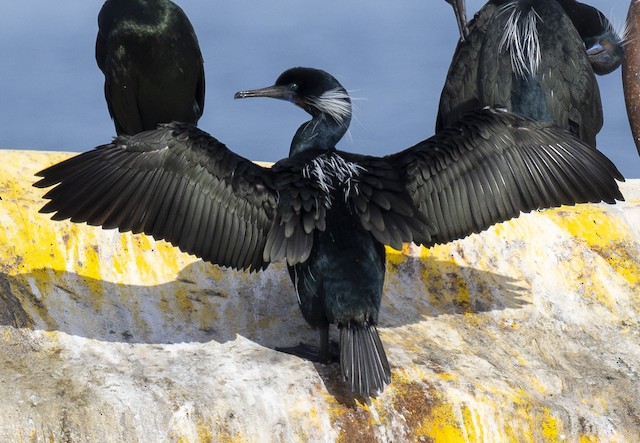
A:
(175, 183)
(302, 210)
(492, 165)
(179, 184)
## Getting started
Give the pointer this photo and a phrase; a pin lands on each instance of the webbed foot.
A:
(313, 353)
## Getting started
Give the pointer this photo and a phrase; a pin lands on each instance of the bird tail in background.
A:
(362, 359)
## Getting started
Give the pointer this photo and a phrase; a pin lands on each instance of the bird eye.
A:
(293, 86)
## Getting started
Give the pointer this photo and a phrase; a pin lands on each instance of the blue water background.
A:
(391, 55)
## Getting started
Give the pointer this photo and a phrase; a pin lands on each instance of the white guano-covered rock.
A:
(528, 332)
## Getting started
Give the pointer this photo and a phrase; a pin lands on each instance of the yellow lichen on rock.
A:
(527, 332)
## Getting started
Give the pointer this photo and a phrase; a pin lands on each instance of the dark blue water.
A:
(392, 56)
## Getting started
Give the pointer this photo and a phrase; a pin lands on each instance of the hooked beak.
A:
(460, 10)
(595, 50)
(603, 60)
(276, 91)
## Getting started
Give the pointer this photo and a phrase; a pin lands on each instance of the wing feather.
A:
(492, 165)
(175, 183)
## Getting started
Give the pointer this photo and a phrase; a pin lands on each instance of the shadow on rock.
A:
(205, 303)
(416, 288)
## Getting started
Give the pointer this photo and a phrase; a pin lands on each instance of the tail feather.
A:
(362, 359)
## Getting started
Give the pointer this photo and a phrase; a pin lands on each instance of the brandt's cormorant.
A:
(329, 213)
(152, 65)
(530, 57)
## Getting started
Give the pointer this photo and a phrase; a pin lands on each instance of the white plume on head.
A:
(335, 103)
(621, 29)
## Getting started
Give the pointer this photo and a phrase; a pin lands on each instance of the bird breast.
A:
(333, 174)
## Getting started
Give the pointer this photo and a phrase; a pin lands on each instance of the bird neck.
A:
(321, 132)
(520, 36)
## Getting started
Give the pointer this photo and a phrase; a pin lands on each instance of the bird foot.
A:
(313, 353)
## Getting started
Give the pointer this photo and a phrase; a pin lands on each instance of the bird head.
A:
(314, 90)
(603, 43)
(320, 95)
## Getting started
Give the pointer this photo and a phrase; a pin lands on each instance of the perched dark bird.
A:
(152, 65)
(329, 213)
(530, 57)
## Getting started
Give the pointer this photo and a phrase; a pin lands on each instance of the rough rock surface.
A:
(528, 332)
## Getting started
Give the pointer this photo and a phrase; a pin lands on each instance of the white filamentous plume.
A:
(330, 170)
(520, 39)
(354, 112)
(335, 103)
(621, 29)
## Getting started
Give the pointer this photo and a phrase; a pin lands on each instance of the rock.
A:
(526, 332)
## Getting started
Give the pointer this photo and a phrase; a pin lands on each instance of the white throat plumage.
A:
(335, 103)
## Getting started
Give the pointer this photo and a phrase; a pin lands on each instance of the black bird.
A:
(530, 57)
(329, 213)
(604, 45)
(152, 65)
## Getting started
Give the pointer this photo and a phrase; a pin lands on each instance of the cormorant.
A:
(329, 213)
(530, 57)
(152, 65)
